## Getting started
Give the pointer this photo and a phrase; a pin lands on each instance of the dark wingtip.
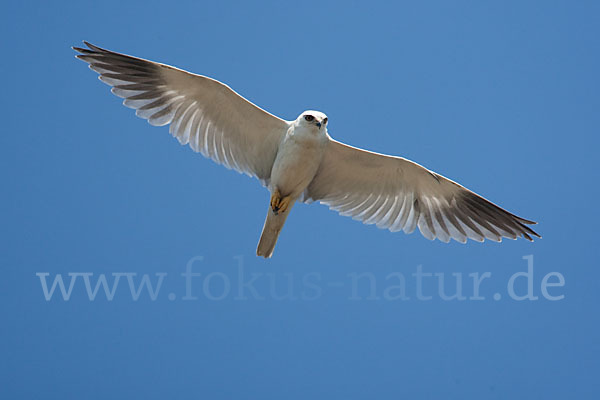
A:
(526, 221)
(90, 47)
(94, 47)
(79, 50)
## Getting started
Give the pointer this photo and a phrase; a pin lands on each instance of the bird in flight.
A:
(298, 160)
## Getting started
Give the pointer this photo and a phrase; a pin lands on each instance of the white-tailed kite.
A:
(298, 160)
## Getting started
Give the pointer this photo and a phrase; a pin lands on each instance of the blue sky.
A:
(500, 96)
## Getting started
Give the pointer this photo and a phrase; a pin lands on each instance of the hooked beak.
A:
(318, 124)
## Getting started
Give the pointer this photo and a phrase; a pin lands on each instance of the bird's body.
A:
(298, 160)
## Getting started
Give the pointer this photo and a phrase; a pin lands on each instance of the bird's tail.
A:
(270, 233)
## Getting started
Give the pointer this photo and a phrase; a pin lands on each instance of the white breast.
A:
(297, 161)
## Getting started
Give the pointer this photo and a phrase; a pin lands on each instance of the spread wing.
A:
(398, 194)
(204, 113)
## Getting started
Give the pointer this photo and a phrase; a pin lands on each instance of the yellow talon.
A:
(275, 200)
(278, 203)
(284, 204)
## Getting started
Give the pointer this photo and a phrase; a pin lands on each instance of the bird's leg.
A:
(279, 203)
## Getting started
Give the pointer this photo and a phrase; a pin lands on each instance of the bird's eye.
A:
(309, 118)
(325, 120)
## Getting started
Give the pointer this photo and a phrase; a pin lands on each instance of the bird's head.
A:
(313, 120)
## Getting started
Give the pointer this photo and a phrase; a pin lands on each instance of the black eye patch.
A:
(309, 118)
